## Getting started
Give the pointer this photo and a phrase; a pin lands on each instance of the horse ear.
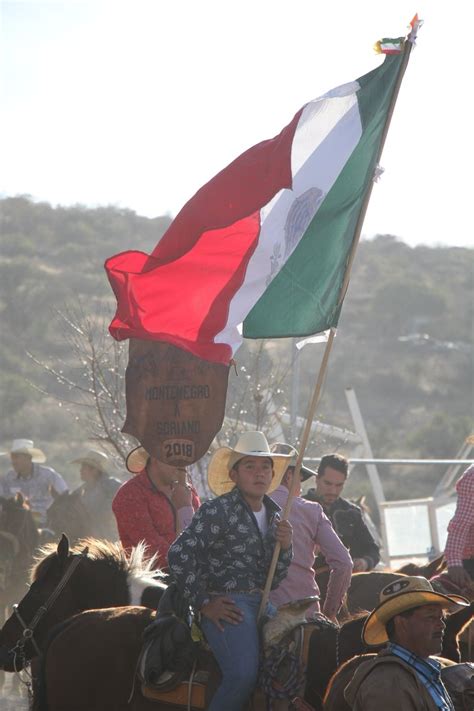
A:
(436, 566)
(63, 548)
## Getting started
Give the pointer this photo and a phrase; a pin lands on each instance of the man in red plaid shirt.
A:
(460, 544)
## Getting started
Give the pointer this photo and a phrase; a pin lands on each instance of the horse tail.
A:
(40, 696)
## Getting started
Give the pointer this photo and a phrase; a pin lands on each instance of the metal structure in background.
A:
(412, 527)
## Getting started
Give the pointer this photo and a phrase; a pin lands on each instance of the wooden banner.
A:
(175, 401)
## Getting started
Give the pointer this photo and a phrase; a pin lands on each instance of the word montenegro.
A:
(177, 392)
(178, 428)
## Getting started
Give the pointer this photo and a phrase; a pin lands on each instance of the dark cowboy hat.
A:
(283, 448)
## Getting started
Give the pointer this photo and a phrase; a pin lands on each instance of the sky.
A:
(138, 103)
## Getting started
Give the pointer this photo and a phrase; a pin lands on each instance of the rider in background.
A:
(96, 492)
(30, 478)
(345, 516)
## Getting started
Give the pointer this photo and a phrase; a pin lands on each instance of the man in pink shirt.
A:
(311, 528)
(459, 550)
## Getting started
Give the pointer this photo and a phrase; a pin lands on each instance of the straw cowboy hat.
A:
(25, 446)
(283, 448)
(93, 458)
(401, 595)
(136, 460)
(250, 444)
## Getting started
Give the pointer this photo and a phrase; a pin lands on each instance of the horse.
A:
(334, 698)
(89, 662)
(67, 514)
(19, 525)
(19, 537)
(365, 588)
(93, 574)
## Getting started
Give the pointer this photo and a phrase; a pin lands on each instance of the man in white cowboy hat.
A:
(221, 560)
(29, 477)
(404, 676)
(96, 492)
(153, 506)
(311, 529)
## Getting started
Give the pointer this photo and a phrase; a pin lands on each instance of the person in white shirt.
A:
(29, 477)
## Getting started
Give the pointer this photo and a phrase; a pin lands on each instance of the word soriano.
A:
(178, 428)
(177, 392)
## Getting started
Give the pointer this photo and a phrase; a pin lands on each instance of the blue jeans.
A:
(236, 650)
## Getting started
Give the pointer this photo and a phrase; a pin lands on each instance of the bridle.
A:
(18, 651)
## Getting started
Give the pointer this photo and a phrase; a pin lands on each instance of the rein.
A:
(18, 650)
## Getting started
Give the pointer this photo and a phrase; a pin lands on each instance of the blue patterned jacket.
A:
(223, 551)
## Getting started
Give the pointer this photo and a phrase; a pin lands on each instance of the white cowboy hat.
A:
(25, 446)
(250, 444)
(136, 460)
(405, 594)
(283, 448)
(93, 458)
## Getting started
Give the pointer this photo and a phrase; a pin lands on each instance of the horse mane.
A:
(137, 563)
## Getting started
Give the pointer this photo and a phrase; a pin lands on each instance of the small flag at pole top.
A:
(389, 46)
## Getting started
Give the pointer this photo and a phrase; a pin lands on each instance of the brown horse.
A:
(94, 574)
(19, 537)
(334, 699)
(94, 656)
(17, 521)
(67, 514)
(364, 590)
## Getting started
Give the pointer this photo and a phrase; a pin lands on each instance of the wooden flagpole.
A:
(323, 367)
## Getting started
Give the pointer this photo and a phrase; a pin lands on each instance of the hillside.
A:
(404, 342)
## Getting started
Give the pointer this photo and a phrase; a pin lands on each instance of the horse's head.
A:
(68, 514)
(428, 571)
(47, 576)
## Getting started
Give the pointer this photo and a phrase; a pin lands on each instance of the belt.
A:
(252, 591)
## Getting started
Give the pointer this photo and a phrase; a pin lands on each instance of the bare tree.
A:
(89, 381)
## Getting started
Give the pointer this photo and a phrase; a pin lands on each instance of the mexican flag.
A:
(260, 251)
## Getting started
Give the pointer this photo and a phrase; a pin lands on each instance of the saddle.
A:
(189, 678)
(169, 651)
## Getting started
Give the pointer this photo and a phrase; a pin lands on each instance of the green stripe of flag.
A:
(303, 298)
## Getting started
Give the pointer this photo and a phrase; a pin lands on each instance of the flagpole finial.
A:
(415, 25)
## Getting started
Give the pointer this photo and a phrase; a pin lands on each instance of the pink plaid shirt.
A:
(460, 543)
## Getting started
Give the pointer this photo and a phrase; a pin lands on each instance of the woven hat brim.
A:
(136, 460)
(91, 462)
(374, 632)
(224, 458)
(37, 455)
